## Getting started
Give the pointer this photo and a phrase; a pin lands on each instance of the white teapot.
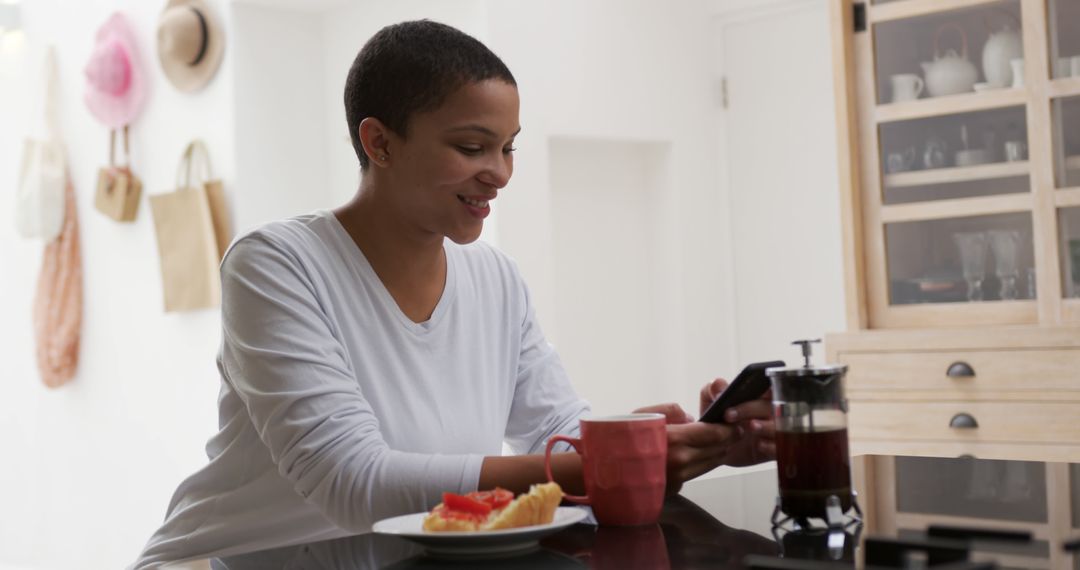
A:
(950, 73)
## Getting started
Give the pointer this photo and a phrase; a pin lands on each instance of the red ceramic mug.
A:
(624, 461)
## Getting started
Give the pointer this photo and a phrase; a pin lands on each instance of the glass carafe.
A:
(812, 457)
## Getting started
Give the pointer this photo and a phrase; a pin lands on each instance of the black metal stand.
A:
(831, 541)
(834, 517)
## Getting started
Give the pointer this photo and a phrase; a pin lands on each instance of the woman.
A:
(377, 355)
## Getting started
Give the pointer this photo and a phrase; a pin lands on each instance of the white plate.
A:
(489, 542)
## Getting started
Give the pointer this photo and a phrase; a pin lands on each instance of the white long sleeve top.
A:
(336, 410)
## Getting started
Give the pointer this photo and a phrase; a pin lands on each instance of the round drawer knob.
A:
(960, 370)
(963, 421)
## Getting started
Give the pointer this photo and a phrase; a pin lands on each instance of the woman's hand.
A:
(754, 424)
(694, 448)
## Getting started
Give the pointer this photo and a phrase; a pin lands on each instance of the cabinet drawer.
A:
(1042, 370)
(1005, 422)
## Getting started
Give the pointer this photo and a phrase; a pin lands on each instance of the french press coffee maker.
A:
(812, 459)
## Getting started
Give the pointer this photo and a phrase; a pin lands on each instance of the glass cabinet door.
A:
(1074, 494)
(979, 153)
(949, 52)
(961, 260)
(952, 131)
(1069, 227)
(1065, 116)
(969, 122)
(972, 488)
(1064, 66)
(1064, 17)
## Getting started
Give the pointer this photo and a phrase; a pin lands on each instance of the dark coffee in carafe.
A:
(815, 465)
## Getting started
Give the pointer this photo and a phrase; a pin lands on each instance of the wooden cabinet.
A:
(910, 493)
(959, 133)
(995, 392)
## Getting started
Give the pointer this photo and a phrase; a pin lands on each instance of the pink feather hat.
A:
(115, 86)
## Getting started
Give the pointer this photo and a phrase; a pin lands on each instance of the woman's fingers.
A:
(700, 435)
(673, 412)
(697, 448)
(767, 448)
(762, 428)
(710, 391)
(754, 409)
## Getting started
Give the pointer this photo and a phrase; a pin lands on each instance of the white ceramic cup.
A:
(1064, 67)
(906, 87)
(1074, 65)
(972, 156)
(1016, 150)
(1018, 71)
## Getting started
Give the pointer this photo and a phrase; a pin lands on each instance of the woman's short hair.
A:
(413, 67)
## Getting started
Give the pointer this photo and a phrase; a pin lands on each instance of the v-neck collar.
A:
(445, 300)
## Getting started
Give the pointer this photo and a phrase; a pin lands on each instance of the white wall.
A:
(610, 235)
(88, 469)
(281, 153)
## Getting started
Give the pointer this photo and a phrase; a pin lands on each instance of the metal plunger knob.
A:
(807, 349)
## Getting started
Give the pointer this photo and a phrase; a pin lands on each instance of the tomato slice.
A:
(497, 497)
(465, 503)
(501, 497)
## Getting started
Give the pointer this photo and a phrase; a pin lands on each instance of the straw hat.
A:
(190, 43)
(115, 86)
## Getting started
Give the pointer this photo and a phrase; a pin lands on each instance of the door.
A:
(779, 144)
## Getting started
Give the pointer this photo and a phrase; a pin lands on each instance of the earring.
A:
(382, 158)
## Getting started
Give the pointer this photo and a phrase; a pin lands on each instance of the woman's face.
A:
(455, 159)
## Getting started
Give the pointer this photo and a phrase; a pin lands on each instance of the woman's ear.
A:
(375, 138)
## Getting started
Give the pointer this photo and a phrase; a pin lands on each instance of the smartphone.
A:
(750, 384)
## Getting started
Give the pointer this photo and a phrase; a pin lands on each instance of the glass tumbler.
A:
(973, 248)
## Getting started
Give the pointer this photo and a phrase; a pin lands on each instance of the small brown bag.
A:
(118, 189)
(192, 228)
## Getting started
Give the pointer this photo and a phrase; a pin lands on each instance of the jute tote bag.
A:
(192, 230)
(118, 189)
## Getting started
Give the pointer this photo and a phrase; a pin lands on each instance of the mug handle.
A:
(919, 85)
(574, 442)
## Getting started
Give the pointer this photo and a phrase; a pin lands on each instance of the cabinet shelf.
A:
(1067, 197)
(949, 105)
(914, 8)
(960, 174)
(1064, 87)
(956, 208)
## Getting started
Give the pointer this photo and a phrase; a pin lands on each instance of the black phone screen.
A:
(750, 384)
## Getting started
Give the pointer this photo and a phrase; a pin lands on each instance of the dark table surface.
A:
(717, 522)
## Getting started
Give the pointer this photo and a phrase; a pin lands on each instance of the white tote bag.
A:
(39, 200)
